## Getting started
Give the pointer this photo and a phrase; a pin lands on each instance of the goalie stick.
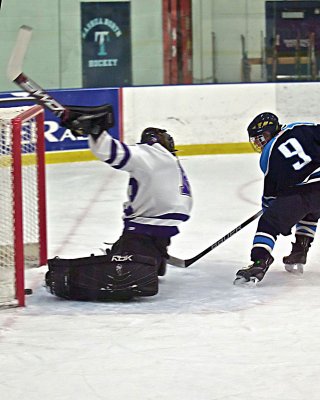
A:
(15, 74)
(178, 262)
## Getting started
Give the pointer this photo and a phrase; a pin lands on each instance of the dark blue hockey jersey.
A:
(291, 160)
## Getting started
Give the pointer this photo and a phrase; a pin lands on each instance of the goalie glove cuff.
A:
(83, 120)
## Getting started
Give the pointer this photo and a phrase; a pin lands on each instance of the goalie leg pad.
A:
(99, 278)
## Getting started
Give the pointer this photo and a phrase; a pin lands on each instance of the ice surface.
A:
(200, 338)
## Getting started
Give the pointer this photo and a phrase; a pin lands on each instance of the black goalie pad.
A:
(99, 278)
(85, 120)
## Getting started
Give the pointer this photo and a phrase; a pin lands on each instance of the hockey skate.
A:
(254, 273)
(296, 260)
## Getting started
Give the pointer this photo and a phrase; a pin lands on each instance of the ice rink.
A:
(200, 338)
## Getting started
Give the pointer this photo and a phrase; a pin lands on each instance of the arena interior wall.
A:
(203, 119)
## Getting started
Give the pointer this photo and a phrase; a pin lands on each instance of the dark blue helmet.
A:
(264, 122)
(262, 129)
(156, 135)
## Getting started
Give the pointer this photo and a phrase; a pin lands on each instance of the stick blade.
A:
(15, 63)
(177, 262)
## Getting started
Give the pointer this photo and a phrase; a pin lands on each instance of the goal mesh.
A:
(22, 199)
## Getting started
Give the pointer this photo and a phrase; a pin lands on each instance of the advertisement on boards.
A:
(58, 138)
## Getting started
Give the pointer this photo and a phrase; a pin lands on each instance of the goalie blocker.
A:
(99, 278)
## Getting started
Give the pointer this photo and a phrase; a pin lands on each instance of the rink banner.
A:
(58, 138)
(106, 44)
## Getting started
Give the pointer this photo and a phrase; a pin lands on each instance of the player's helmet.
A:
(156, 135)
(265, 122)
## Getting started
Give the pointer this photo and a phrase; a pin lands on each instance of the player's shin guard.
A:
(98, 278)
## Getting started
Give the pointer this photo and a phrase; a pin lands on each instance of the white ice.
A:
(200, 338)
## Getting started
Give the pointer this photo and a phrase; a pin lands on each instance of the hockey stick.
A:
(15, 74)
(177, 262)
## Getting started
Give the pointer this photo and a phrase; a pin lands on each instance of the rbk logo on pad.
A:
(122, 258)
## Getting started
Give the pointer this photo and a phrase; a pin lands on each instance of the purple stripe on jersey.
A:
(151, 230)
(176, 216)
(128, 211)
(133, 185)
(125, 158)
(113, 153)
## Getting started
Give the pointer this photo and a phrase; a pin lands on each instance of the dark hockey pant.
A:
(151, 246)
(284, 213)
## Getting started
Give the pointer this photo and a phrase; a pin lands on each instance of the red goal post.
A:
(23, 232)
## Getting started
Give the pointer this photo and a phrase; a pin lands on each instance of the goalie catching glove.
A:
(83, 120)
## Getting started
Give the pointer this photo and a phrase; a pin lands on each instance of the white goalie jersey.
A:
(159, 194)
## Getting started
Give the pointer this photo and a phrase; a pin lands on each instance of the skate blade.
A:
(294, 268)
(241, 281)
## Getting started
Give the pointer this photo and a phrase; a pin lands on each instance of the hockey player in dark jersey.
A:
(159, 199)
(290, 161)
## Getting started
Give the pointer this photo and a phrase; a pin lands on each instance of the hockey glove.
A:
(83, 120)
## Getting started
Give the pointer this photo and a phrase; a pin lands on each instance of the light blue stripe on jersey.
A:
(266, 201)
(264, 159)
(313, 177)
(293, 124)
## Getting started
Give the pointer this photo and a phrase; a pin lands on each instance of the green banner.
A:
(106, 44)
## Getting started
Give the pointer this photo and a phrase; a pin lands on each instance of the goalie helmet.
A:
(156, 135)
(262, 129)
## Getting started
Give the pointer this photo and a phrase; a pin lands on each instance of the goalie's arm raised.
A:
(95, 122)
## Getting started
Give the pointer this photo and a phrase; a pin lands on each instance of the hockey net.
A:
(23, 241)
